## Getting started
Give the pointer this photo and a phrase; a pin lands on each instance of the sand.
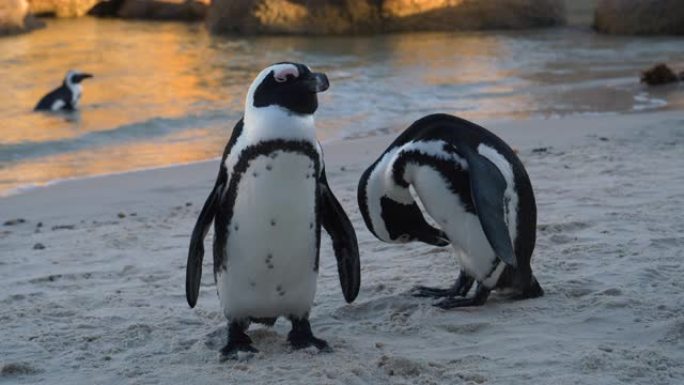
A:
(92, 283)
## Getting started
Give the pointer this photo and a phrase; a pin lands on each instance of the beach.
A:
(92, 280)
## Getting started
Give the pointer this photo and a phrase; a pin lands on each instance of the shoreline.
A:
(102, 299)
(496, 122)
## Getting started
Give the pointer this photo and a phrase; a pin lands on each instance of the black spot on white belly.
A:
(255, 174)
(311, 225)
(269, 167)
(273, 222)
(236, 227)
(269, 261)
(280, 290)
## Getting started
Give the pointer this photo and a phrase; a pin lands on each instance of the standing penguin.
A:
(66, 96)
(268, 204)
(474, 187)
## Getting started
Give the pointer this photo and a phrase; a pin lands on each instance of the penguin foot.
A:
(460, 288)
(238, 341)
(301, 337)
(479, 299)
(230, 351)
(433, 292)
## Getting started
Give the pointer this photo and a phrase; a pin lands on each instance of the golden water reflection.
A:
(167, 93)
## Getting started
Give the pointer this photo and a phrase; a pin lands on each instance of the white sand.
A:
(104, 302)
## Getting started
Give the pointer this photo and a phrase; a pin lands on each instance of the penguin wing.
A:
(487, 187)
(193, 273)
(341, 231)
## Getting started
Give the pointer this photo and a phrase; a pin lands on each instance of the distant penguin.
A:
(66, 96)
(477, 191)
(269, 201)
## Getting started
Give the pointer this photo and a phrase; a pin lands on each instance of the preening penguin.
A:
(269, 201)
(66, 96)
(474, 187)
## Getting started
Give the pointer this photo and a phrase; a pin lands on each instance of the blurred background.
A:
(171, 75)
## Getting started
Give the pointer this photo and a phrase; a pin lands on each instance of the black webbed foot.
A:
(481, 295)
(238, 341)
(460, 288)
(301, 337)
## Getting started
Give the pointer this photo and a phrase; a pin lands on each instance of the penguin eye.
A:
(283, 79)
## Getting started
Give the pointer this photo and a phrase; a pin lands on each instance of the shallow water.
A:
(170, 93)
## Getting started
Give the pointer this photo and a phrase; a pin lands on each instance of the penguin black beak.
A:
(316, 82)
(78, 78)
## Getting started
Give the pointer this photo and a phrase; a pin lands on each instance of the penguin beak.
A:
(316, 82)
(80, 77)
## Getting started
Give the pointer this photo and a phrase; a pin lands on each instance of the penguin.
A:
(474, 187)
(268, 204)
(66, 96)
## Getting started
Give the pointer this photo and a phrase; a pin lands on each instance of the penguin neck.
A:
(275, 122)
(75, 89)
(380, 184)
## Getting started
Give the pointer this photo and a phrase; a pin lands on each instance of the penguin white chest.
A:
(272, 245)
(463, 228)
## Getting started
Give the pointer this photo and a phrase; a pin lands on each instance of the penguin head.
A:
(391, 213)
(290, 86)
(74, 77)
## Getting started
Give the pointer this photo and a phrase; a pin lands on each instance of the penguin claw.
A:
(321, 345)
(433, 292)
(230, 351)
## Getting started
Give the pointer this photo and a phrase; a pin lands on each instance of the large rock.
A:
(12, 15)
(368, 16)
(640, 17)
(164, 9)
(61, 8)
(15, 17)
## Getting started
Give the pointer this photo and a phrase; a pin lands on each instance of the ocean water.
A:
(167, 93)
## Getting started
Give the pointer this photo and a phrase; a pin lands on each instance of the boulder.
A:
(370, 16)
(639, 17)
(12, 15)
(658, 74)
(61, 8)
(187, 10)
(15, 17)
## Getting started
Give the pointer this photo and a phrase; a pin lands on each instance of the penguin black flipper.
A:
(487, 187)
(60, 95)
(193, 273)
(341, 231)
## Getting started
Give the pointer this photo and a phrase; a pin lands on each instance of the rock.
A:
(658, 74)
(370, 16)
(38, 246)
(12, 16)
(638, 17)
(61, 8)
(106, 8)
(187, 10)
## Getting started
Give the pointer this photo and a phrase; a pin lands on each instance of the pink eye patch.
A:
(281, 74)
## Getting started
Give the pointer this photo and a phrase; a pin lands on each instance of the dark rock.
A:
(13, 222)
(639, 17)
(38, 246)
(106, 8)
(658, 74)
(183, 10)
